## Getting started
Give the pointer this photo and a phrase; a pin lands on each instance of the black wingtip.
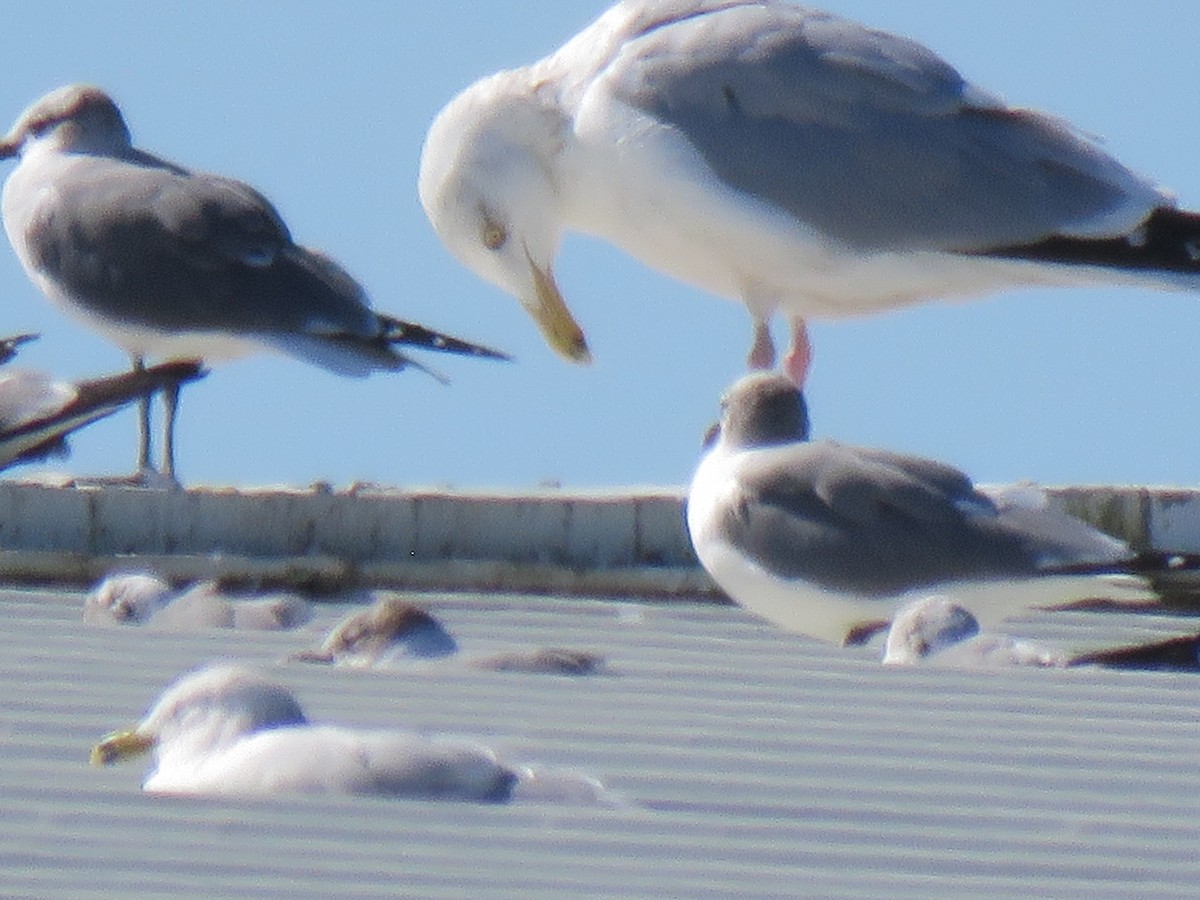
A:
(1167, 241)
(413, 335)
(10, 345)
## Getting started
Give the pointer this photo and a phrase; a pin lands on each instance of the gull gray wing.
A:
(1063, 540)
(874, 523)
(866, 136)
(160, 247)
(218, 220)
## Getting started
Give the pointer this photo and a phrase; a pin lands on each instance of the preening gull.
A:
(785, 157)
(830, 540)
(177, 264)
(392, 631)
(37, 411)
(140, 598)
(226, 730)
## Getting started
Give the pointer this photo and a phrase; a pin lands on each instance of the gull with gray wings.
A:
(788, 158)
(180, 265)
(830, 540)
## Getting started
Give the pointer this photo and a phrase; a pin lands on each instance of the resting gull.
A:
(830, 540)
(177, 264)
(938, 630)
(142, 598)
(227, 730)
(788, 158)
(392, 631)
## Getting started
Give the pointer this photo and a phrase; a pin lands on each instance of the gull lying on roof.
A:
(830, 540)
(788, 158)
(140, 598)
(176, 264)
(226, 730)
(392, 631)
(938, 630)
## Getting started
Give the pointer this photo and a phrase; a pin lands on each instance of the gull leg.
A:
(799, 356)
(170, 407)
(762, 351)
(143, 457)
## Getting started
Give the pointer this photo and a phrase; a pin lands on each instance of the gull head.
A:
(490, 185)
(204, 710)
(388, 628)
(129, 597)
(78, 118)
(926, 627)
(763, 409)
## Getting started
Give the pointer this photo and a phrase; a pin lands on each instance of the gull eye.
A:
(494, 236)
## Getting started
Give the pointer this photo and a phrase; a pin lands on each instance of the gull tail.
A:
(1167, 243)
(1177, 654)
(45, 435)
(10, 345)
(398, 331)
(1168, 576)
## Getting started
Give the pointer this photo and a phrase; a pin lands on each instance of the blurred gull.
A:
(939, 631)
(387, 630)
(393, 631)
(37, 411)
(785, 157)
(171, 263)
(139, 598)
(830, 540)
(226, 730)
(130, 598)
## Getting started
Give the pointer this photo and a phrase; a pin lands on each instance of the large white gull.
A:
(787, 158)
(831, 540)
(228, 730)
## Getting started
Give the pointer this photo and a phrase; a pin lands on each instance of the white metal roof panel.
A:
(754, 763)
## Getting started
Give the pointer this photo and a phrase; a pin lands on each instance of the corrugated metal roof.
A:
(755, 763)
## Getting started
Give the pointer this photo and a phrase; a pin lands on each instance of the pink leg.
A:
(799, 355)
(762, 351)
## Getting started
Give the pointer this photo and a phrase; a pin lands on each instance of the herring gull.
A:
(227, 730)
(788, 158)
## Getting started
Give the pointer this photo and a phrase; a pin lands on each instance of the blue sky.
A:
(324, 108)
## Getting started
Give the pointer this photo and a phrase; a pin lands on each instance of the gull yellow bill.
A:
(552, 316)
(120, 746)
